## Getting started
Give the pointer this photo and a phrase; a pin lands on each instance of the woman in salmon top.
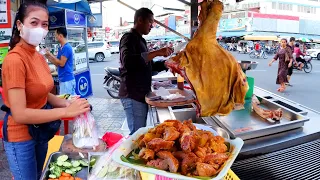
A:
(27, 83)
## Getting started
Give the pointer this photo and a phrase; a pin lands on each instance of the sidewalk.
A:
(108, 113)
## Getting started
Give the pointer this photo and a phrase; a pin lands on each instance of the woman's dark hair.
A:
(297, 45)
(23, 11)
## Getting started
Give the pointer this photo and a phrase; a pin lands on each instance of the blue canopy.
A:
(76, 5)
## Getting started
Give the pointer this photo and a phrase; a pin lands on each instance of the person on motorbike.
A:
(136, 69)
(257, 47)
(300, 61)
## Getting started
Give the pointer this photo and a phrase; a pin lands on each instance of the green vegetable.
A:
(78, 168)
(62, 158)
(69, 171)
(59, 163)
(92, 162)
(75, 163)
(52, 176)
(83, 163)
(66, 164)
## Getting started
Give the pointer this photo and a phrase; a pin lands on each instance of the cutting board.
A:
(68, 147)
(188, 98)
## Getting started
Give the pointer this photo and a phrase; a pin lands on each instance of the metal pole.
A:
(194, 17)
(158, 22)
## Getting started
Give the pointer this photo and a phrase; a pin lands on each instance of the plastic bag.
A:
(85, 132)
(106, 169)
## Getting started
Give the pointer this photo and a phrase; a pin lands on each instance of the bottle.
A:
(180, 81)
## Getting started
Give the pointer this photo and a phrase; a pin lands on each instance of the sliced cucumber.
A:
(69, 171)
(75, 163)
(52, 176)
(60, 163)
(62, 158)
(78, 168)
(67, 164)
(83, 163)
(74, 169)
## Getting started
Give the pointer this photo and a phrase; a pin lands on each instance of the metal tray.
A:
(247, 124)
(83, 174)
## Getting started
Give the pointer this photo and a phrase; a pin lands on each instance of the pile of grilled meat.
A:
(180, 147)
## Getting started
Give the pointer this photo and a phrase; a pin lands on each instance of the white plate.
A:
(127, 146)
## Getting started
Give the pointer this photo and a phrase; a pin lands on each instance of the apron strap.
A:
(5, 126)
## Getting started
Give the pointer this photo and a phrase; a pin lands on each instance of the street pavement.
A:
(305, 88)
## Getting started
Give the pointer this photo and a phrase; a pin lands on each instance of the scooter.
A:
(112, 81)
(254, 54)
(307, 66)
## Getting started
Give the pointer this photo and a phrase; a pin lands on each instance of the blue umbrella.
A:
(76, 5)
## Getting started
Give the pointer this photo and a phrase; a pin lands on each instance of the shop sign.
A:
(3, 53)
(236, 24)
(56, 19)
(5, 15)
(83, 84)
(5, 35)
(80, 60)
(76, 19)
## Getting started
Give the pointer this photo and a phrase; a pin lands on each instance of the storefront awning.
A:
(232, 33)
(260, 38)
(76, 5)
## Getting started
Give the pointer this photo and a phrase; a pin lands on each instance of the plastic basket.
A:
(231, 176)
(146, 176)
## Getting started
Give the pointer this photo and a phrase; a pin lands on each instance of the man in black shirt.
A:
(290, 70)
(136, 69)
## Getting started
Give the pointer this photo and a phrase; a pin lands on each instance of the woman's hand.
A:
(289, 65)
(270, 63)
(77, 107)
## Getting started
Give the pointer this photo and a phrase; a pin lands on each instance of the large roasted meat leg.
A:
(213, 73)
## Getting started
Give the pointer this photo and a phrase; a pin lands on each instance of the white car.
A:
(114, 46)
(314, 53)
(97, 50)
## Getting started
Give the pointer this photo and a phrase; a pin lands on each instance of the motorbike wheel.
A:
(113, 84)
(252, 55)
(307, 67)
(264, 55)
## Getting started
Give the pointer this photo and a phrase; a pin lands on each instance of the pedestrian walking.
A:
(285, 62)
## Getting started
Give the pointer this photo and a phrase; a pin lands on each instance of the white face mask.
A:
(33, 36)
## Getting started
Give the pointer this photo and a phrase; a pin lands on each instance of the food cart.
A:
(76, 24)
(271, 151)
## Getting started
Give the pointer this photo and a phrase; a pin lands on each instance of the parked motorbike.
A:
(255, 54)
(112, 81)
(307, 66)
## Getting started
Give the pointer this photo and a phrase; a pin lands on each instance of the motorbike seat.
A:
(114, 71)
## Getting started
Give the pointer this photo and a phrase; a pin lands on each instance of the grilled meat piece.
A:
(172, 162)
(188, 141)
(205, 170)
(158, 144)
(158, 163)
(212, 72)
(216, 158)
(146, 154)
(170, 134)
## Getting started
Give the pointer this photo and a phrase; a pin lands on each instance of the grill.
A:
(300, 162)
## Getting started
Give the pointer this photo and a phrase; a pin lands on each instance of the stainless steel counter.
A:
(252, 147)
